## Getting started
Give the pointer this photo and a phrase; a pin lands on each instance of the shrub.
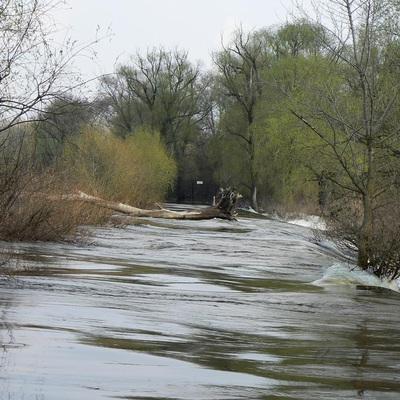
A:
(136, 170)
(344, 224)
(30, 209)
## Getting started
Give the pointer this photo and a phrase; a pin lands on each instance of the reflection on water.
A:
(193, 310)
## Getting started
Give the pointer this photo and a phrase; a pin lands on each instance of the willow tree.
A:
(353, 111)
(283, 179)
(240, 67)
(165, 91)
(252, 70)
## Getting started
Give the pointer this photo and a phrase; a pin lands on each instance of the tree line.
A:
(299, 116)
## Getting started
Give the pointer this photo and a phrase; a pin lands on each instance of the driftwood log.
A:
(224, 208)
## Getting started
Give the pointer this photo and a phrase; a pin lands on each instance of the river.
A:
(193, 310)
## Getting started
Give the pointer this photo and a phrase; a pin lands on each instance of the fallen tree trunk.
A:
(224, 209)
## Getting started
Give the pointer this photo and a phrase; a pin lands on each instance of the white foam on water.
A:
(309, 221)
(339, 274)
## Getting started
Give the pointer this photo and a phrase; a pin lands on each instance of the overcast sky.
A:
(192, 25)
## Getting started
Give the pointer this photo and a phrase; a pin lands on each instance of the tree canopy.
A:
(299, 116)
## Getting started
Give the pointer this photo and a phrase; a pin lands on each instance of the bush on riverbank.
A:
(136, 170)
(27, 211)
(29, 207)
(343, 227)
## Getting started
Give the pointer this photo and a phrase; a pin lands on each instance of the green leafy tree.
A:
(299, 38)
(352, 110)
(285, 150)
(163, 90)
(255, 73)
(240, 67)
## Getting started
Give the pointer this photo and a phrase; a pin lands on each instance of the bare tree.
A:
(35, 71)
(354, 113)
(34, 68)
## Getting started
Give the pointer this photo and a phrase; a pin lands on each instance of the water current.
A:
(194, 310)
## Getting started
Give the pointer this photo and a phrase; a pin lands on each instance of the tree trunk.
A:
(366, 231)
(224, 209)
(254, 201)
(364, 240)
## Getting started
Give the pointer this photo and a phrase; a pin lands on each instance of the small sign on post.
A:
(199, 182)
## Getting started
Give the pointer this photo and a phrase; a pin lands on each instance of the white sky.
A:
(192, 25)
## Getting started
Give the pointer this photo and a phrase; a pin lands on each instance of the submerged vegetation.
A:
(298, 117)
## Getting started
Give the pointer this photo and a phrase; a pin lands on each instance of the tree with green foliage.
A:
(352, 110)
(240, 67)
(299, 38)
(163, 90)
(258, 148)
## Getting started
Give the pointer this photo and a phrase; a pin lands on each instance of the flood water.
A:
(193, 310)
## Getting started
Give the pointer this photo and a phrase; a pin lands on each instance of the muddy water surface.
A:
(193, 310)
